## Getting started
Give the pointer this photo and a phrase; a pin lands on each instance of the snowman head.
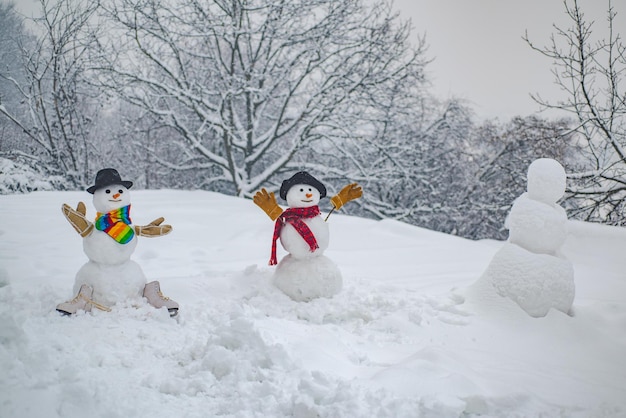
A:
(546, 180)
(110, 191)
(111, 197)
(302, 190)
(303, 196)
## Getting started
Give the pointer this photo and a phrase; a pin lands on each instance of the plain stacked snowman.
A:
(529, 268)
(305, 273)
(110, 276)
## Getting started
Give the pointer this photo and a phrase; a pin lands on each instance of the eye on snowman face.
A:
(111, 197)
(302, 196)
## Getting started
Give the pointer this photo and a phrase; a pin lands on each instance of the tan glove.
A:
(153, 229)
(77, 218)
(350, 192)
(267, 202)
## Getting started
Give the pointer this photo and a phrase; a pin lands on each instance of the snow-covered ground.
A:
(400, 340)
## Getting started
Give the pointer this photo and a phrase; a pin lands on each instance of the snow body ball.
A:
(536, 282)
(537, 226)
(529, 268)
(304, 279)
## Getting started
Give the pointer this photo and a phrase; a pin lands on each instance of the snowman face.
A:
(111, 197)
(303, 196)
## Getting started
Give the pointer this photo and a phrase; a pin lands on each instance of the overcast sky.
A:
(478, 50)
(480, 54)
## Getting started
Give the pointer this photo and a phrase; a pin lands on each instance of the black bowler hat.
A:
(301, 177)
(107, 177)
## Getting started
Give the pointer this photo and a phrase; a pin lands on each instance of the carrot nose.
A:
(116, 195)
(309, 195)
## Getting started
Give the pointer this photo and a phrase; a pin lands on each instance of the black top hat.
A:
(107, 177)
(301, 177)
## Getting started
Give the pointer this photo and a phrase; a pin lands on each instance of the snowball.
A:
(111, 283)
(546, 180)
(537, 226)
(536, 282)
(306, 279)
(294, 244)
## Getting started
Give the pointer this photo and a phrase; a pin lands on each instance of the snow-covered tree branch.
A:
(591, 71)
(60, 105)
(248, 85)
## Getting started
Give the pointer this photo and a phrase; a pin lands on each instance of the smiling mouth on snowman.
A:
(115, 200)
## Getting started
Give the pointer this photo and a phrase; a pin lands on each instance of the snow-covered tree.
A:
(61, 105)
(12, 34)
(248, 85)
(590, 70)
(410, 165)
(454, 176)
(496, 161)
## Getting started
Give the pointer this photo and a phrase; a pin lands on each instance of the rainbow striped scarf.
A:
(116, 224)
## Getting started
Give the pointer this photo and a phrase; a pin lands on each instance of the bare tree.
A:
(60, 104)
(250, 85)
(591, 72)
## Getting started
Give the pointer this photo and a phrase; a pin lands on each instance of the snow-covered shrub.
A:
(17, 177)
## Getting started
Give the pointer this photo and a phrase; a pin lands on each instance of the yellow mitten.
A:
(267, 202)
(77, 218)
(153, 229)
(350, 192)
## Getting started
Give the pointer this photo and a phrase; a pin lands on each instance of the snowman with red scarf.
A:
(110, 276)
(305, 273)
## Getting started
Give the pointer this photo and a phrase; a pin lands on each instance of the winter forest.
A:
(231, 96)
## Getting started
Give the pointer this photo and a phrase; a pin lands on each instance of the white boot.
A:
(152, 292)
(82, 301)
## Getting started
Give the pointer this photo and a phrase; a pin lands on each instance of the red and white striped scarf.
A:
(294, 216)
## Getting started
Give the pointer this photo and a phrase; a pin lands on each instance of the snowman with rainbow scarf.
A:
(110, 276)
(305, 273)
